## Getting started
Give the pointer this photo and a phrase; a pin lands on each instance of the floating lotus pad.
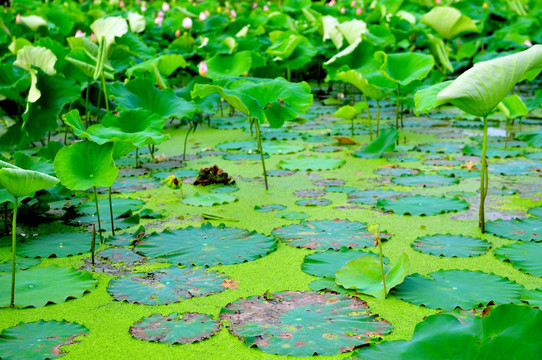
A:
(121, 223)
(514, 167)
(340, 189)
(329, 182)
(536, 211)
(166, 286)
(460, 173)
(39, 340)
(281, 148)
(121, 207)
(327, 234)
(326, 263)
(38, 286)
(209, 199)
(207, 245)
(55, 245)
(493, 153)
(449, 289)
(395, 171)
(424, 180)
(237, 145)
(120, 255)
(291, 215)
(371, 197)
(175, 329)
(328, 148)
(224, 190)
(329, 284)
(313, 202)
(451, 245)
(311, 163)
(310, 193)
(532, 297)
(133, 184)
(280, 173)
(422, 205)
(269, 207)
(236, 157)
(505, 332)
(20, 264)
(524, 256)
(440, 147)
(180, 173)
(303, 323)
(529, 229)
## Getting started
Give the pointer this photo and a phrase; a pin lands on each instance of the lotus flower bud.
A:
(265, 8)
(202, 16)
(437, 2)
(18, 20)
(353, 3)
(165, 6)
(202, 69)
(332, 3)
(143, 8)
(178, 33)
(93, 37)
(528, 43)
(255, 5)
(79, 33)
(187, 23)
(158, 21)
(358, 11)
(207, 13)
(121, 4)
(343, 10)
(233, 14)
(226, 11)
(173, 182)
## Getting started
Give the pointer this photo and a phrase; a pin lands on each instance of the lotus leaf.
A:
(326, 263)
(524, 256)
(311, 163)
(55, 245)
(422, 205)
(529, 229)
(449, 22)
(451, 245)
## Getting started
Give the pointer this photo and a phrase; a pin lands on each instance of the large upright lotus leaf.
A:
(41, 116)
(83, 165)
(238, 100)
(422, 205)
(355, 56)
(139, 127)
(326, 263)
(207, 245)
(13, 81)
(449, 22)
(137, 22)
(382, 144)
(110, 28)
(329, 26)
(451, 245)
(449, 289)
(303, 323)
(533, 138)
(38, 286)
(346, 112)
(529, 229)
(439, 50)
(39, 57)
(352, 30)
(166, 64)
(506, 332)
(20, 182)
(355, 78)
(226, 65)
(426, 98)
(166, 286)
(513, 107)
(404, 68)
(284, 48)
(39, 340)
(33, 22)
(364, 274)
(327, 234)
(524, 256)
(175, 329)
(296, 5)
(55, 245)
(141, 93)
(480, 89)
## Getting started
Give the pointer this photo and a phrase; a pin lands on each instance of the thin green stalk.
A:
(93, 243)
(397, 108)
(288, 73)
(260, 149)
(6, 227)
(483, 180)
(377, 118)
(105, 93)
(13, 250)
(382, 266)
(111, 211)
(507, 133)
(151, 150)
(370, 120)
(86, 105)
(137, 158)
(98, 215)
(186, 140)
(98, 104)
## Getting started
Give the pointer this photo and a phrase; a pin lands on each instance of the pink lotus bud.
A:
(332, 3)
(207, 13)
(165, 6)
(353, 3)
(437, 2)
(121, 4)
(343, 10)
(178, 33)
(528, 43)
(265, 8)
(160, 13)
(159, 19)
(233, 14)
(187, 23)
(358, 11)
(226, 11)
(255, 5)
(79, 33)
(18, 20)
(93, 37)
(143, 8)
(202, 16)
(138, 2)
(202, 69)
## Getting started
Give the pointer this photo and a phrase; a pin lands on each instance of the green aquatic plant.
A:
(512, 107)
(20, 183)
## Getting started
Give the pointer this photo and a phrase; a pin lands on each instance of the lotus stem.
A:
(382, 265)
(377, 118)
(483, 181)
(352, 127)
(98, 104)
(397, 108)
(105, 92)
(93, 243)
(186, 140)
(260, 149)
(111, 211)
(13, 250)
(98, 215)
(86, 104)
(288, 73)
(151, 150)
(370, 119)
(507, 133)
(137, 158)
(6, 227)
